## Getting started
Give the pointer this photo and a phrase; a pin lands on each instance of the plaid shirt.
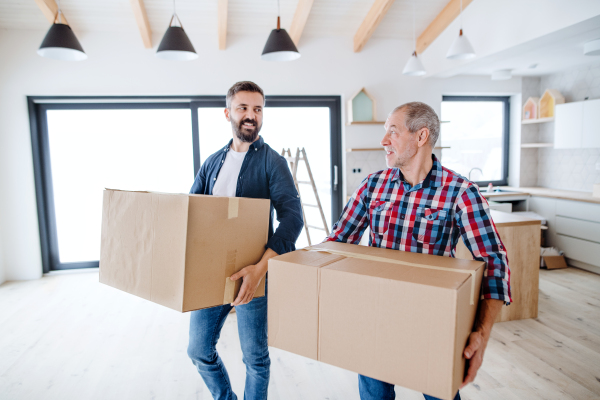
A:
(427, 218)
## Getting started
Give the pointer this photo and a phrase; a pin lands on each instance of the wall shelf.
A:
(381, 149)
(537, 121)
(536, 145)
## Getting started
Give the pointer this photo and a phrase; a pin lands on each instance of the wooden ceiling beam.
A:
(370, 23)
(141, 18)
(222, 10)
(440, 23)
(49, 8)
(300, 17)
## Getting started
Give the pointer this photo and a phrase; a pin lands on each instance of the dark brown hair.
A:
(243, 86)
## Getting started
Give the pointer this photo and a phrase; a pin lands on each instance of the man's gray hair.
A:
(418, 116)
(243, 86)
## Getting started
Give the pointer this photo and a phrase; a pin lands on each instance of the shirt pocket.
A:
(380, 213)
(432, 226)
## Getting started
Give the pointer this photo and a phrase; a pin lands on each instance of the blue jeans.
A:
(372, 389)
(205, 328)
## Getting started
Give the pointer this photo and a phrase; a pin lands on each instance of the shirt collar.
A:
(433, 178)
(256, 145)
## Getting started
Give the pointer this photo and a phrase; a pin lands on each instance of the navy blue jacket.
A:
(264, 175)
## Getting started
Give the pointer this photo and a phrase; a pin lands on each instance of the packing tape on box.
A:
(234, 204)
(390, 261)
(230, 286)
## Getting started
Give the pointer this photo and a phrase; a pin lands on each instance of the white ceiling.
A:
(327, 17)
(557, 51)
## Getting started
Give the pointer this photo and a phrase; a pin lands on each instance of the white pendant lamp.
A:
(461, 49)
(279, 46)
(175, 44)
(60, 43)
(414, 66)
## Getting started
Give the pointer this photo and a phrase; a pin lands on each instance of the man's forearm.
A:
(264, 261)
(488, 311)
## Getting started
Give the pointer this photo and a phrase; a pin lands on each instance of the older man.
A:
(419, 206)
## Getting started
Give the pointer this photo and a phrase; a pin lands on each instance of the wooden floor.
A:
(68, 337)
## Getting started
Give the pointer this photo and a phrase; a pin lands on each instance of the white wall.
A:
(118, 65)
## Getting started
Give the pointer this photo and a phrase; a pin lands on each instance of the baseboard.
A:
(582, 265)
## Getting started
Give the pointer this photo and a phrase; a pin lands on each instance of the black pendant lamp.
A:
(279, 46)
(61, 43)
(175, 44)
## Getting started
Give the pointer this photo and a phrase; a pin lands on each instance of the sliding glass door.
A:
(81, 147)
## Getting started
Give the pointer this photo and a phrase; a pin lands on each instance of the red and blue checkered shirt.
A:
(427, 218)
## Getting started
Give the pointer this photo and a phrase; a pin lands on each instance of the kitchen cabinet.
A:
(573, 227)
(591, 124)
(568, 126)
(577, 125)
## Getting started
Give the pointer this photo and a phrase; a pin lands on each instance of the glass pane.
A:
(119, 149)
(474, 135)
(285, 127)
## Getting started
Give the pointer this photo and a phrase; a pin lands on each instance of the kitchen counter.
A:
(552, 193)
(504, 219)
(521, 238)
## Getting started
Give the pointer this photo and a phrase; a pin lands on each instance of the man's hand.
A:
(251, 277)
(474, 353)
(478, 340)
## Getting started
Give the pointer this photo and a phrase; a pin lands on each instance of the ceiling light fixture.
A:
(175, 44)
(279, 46)
(461, 49)
(414, 66)
(60, 43)
(592, 48)
(501, 74)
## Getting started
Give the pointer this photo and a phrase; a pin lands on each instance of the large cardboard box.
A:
(178, 250)
(400, 317)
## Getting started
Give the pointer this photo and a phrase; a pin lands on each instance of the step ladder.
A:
(293, 163)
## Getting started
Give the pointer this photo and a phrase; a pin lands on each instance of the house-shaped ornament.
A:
(530, 109)
(362, 108)
(549, 100)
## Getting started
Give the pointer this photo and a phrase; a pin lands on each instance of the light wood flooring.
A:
(66, 336)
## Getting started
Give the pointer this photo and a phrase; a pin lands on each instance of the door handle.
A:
(335, 178)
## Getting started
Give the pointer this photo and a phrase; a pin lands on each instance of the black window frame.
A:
(38, 105)
(505, 132)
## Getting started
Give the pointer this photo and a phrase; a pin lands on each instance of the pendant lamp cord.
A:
(461, 17)
(278, 9)
(59, 12)
(175, 16)
(414, 30)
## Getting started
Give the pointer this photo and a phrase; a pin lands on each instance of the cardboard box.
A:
(400, 317)
(552, 258)
(555, 262)
(178, 250)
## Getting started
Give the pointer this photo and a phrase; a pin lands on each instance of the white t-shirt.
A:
(228, 176)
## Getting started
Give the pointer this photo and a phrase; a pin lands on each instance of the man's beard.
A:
(403, 158)
(243, 133)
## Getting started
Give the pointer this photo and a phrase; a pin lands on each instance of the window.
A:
(475, 137)
(83, 145)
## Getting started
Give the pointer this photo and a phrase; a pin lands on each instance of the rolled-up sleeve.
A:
(354, 219)
(472, 215)
(286, 202)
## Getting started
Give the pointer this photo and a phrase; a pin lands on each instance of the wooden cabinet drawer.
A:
(577, 228)
(580, 250)
(578, 209)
